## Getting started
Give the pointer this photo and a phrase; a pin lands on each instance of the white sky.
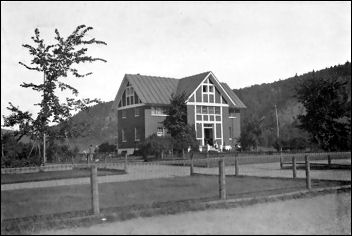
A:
(242, 43)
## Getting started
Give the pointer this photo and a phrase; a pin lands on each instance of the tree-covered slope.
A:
(261, 99)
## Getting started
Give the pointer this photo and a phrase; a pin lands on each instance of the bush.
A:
(106, 147)
(15, 154)
(155, 145)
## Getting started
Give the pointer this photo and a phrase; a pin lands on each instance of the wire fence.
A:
(198, 177)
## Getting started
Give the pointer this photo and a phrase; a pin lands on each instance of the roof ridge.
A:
(152, 76)
(206, 72)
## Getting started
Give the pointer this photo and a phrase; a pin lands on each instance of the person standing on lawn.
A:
(91, 152)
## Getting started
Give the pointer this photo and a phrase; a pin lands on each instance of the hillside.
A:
(103, 125)
(260, 101)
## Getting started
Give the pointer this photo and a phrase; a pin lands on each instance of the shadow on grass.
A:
(56, 175)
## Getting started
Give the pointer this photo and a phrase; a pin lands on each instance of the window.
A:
(230, 132)
(217, 110)
(208, 113)
(208, 91)
(159, 111)
(160, 131)
(199, 110)
(204, 110)
(136, 111)
(136, 135)
(129, 95)
(123, 138)
(124, 113)
(205, 88)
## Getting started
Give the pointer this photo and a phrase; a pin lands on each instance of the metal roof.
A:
(158, 90)
(188, 84)
(233, 96)
(153, 89)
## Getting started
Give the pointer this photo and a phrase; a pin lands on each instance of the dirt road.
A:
(325, 214)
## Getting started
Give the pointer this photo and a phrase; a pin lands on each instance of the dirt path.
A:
(325, 214)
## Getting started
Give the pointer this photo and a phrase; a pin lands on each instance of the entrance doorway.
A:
(208, 135)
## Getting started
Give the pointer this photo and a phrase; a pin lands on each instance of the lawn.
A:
(53, 175)
(153, 192)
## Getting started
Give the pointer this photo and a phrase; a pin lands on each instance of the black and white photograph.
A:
(175, 117)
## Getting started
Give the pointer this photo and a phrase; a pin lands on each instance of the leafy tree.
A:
(55, 61)
(251, 132)
(176, 123)
(328, 112)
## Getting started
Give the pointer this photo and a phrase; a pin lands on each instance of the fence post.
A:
(207, 157)
(329, 161)
(94, 189)
(308, 182)
(125, 163)
(294, 167)
(281, 164)
(222, 183)
(236, 167)
(192, 165)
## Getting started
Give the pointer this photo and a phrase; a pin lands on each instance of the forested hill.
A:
(261, 99)
(102, 123)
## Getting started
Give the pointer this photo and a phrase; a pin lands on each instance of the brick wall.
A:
(129, 124)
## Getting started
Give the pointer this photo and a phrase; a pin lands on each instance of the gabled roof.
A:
(233, 96)
(158, 90)
(188, 84)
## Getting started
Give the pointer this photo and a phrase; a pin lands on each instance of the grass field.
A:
(53, 175)
(131, 194)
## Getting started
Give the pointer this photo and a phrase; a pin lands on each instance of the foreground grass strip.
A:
(30, 225)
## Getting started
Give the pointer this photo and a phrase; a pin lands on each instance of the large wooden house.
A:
(212, 108)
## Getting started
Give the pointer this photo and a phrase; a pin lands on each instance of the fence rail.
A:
(285, 158)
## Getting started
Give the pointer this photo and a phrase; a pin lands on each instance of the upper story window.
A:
(208, 91)
(129, 97)
(159, 111)
(233, 111)
(136, 111)
(208, 113)
(124, 113)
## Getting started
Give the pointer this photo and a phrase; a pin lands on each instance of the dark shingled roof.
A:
(158, 90)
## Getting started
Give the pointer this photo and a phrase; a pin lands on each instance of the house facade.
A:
(213, 109)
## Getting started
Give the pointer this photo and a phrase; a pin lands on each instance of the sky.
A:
(242, 43)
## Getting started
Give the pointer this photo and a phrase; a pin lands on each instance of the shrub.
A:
(155, 145)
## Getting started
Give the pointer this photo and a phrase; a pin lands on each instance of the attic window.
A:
(205, 88)
(129, 95)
